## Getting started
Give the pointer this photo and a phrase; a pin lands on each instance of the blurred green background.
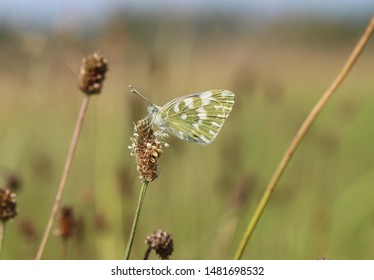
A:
(277, 66)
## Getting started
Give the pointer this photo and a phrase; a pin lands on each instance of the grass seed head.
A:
(67, 222)
(161, 242)
(92, 73)
(146, 149)
(8, 203)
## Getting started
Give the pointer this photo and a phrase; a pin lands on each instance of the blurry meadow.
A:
(205, 195)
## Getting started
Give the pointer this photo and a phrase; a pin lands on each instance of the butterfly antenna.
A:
(133, 90)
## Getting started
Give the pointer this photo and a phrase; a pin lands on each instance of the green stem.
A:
(2, 230)
(147, 253)
(136, 219)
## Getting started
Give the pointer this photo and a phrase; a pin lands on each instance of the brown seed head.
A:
(92, 73)
(28, 230)
(13, 182)
(161, 242)
(8, 201)
(67, 222)
(146, 149)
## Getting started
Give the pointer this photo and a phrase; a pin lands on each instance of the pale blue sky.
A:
(26, 11)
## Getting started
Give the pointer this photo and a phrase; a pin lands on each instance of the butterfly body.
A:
(197, 117)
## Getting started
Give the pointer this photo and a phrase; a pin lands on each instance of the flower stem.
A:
(2, 230)
(147, 253)
(64, 248)
(300, 135)
(69, 159)
(136, 219)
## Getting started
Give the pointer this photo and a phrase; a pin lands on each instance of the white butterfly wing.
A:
(198, 117)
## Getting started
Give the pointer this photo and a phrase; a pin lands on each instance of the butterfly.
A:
(195, 118)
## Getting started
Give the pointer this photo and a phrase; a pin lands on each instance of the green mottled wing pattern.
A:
(198, 117)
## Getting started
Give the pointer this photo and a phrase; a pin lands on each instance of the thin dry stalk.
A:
(69, 159)
(90, 81)
(300, 135)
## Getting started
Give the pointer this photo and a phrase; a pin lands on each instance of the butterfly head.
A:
(155, 114)
(152, 109)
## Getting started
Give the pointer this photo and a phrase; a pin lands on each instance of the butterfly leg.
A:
(160, 133)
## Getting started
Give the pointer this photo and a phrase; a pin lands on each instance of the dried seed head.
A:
(28, 230)
(146, 149)
(67, 222)
(161, 242)
(8, 201)
(13, 181)
(92, 73)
